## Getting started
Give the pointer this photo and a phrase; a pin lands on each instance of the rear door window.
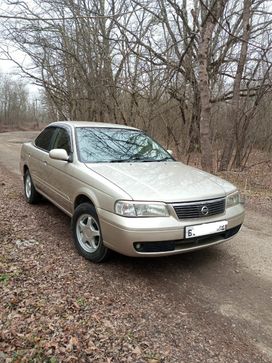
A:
(45, 140)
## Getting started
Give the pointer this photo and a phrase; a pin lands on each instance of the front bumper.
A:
(163, 236)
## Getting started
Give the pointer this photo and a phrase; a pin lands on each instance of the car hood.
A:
(163, 181)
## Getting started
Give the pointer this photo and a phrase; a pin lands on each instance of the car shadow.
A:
(198, 263)
(192, 262)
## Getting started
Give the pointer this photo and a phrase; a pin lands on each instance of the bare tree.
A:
(206, 33)
(176, 68)
(228, 148)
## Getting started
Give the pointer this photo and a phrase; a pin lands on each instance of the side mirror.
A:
(59, 154)
(170, 152)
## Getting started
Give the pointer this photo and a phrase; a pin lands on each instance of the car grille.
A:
(200, 209)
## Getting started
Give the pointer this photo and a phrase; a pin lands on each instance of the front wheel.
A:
(87, 233)
(31, 194)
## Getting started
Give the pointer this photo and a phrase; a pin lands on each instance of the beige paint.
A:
(62, 182)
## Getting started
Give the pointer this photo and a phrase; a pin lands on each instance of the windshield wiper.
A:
(118, 161)
(164, 159)
(131, 159)
(138, 158)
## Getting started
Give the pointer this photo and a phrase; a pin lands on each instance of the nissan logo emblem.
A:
(204, 210)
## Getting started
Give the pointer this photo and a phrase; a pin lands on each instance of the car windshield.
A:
(105, 145)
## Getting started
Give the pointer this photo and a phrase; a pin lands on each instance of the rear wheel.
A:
(87, 233)
(31, 194)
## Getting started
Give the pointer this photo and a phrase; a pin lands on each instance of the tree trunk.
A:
(233, 129)
(206, 32)
(205, 113)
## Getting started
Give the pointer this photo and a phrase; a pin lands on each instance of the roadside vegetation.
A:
(194, 74)
(18, 110)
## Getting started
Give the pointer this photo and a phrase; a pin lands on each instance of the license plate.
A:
(205, 229)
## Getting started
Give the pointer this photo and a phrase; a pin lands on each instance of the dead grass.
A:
(57, 307)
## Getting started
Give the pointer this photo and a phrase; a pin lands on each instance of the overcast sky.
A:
(10, 69)
(7, 67)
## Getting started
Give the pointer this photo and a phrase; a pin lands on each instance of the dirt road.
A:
(229, 286)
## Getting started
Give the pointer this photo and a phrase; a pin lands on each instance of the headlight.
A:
(139, 209)
(233, 199)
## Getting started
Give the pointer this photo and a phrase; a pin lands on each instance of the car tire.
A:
(31, 194)
(87, 234)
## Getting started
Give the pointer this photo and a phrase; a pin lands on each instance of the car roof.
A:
(90, 124)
